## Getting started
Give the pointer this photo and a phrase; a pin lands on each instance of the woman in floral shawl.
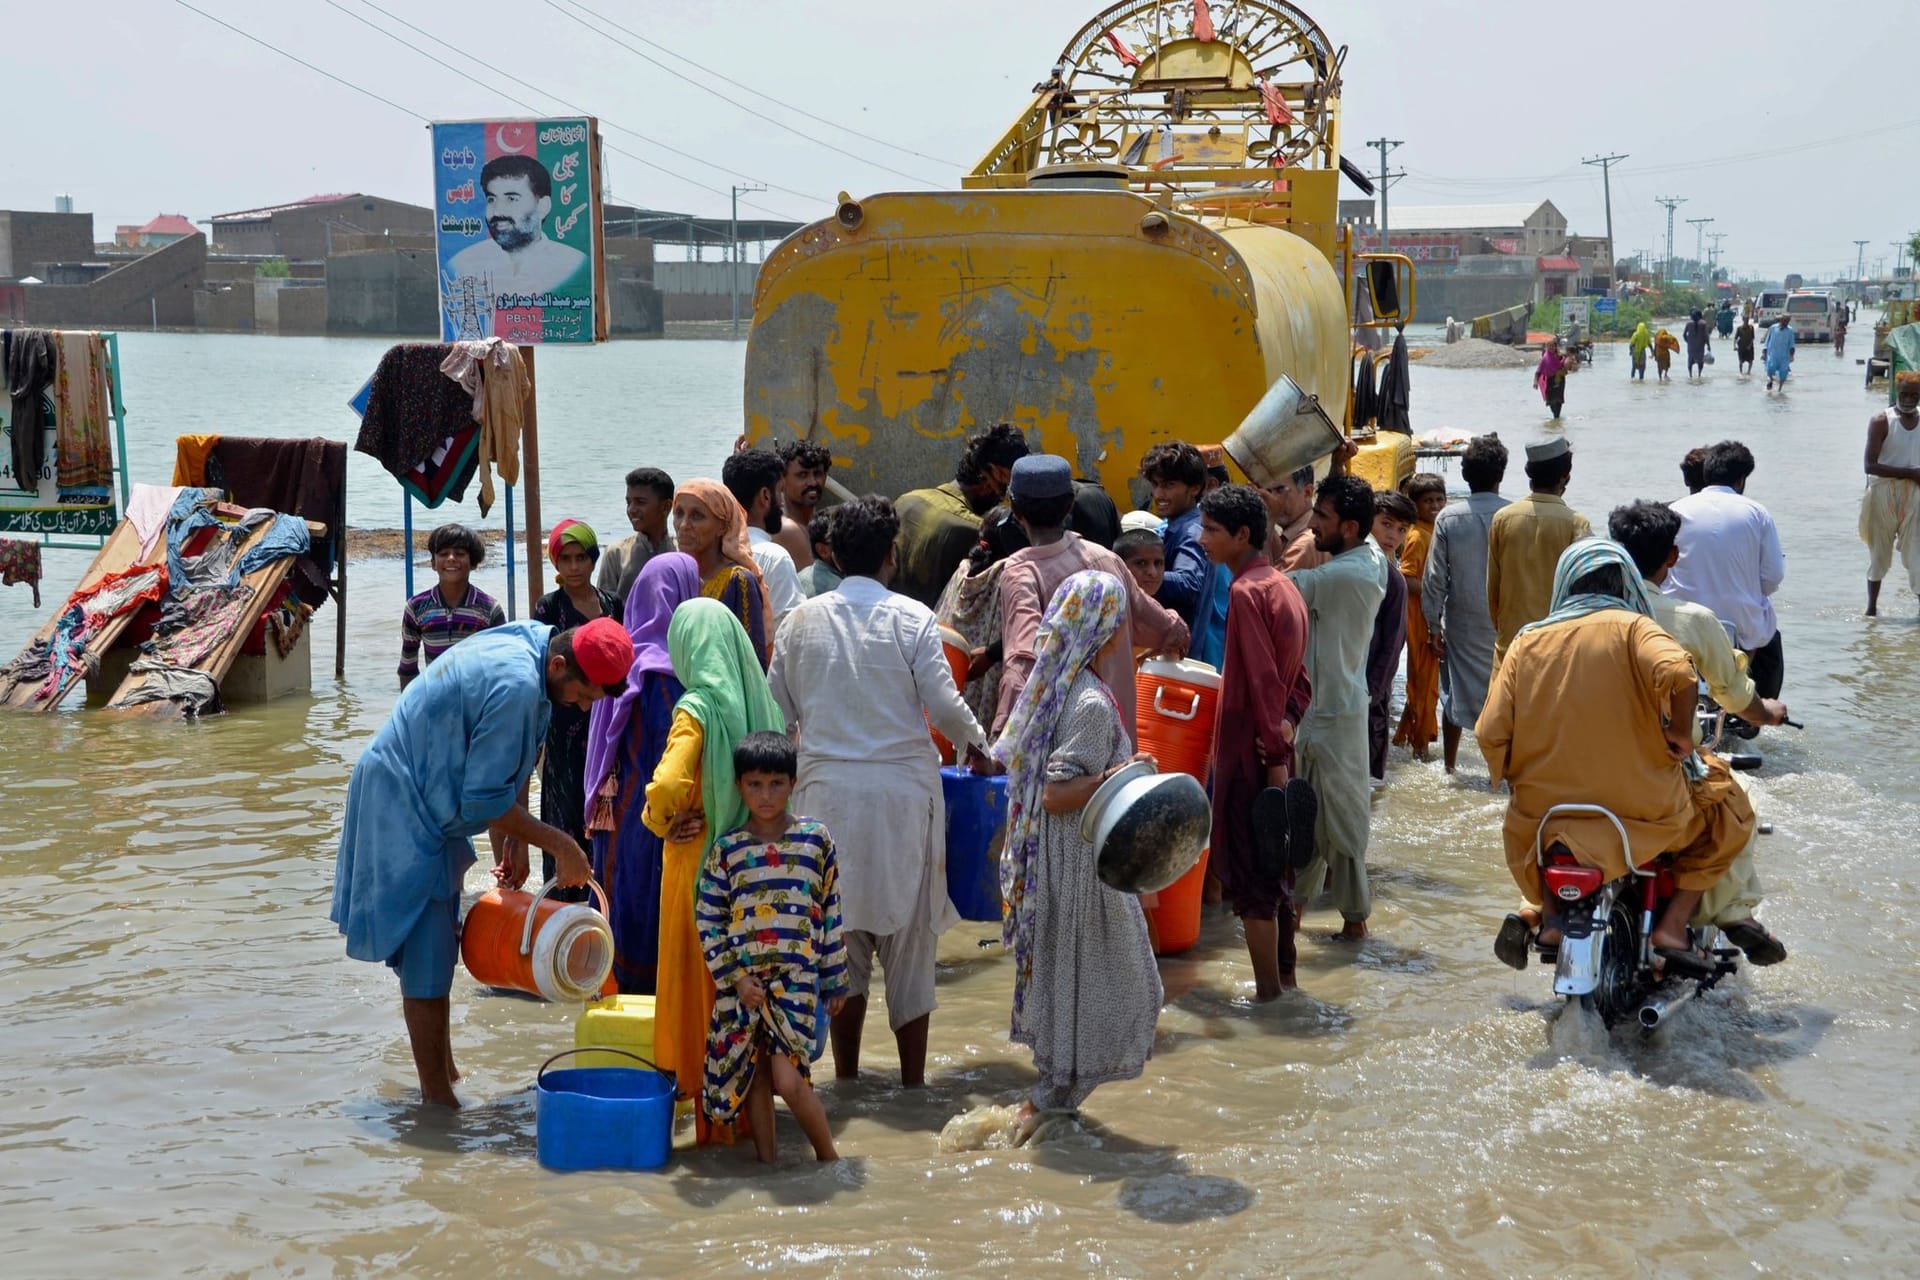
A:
(971, 606)
(1086, 994)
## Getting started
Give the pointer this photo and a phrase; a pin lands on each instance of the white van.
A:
(1767, 307)
(1810, 311)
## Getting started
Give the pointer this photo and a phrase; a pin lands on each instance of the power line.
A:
(1383, 146)
(302, 61)
(761, 93)
(758, 115)
(1606, 164)
(611, 124)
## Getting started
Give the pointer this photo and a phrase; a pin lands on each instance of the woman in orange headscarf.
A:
(1420, 722)
(710, 526)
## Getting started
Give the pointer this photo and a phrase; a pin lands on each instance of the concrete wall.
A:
(634, 309)
(1466, 296)
(29, 238)
(225, 307)
(390, 293)
(704, 277)
(158, 287)
(300, 233)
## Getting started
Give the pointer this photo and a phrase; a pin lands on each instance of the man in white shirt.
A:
(753, 477)
(516, 257)
(858, 672)
(1650, 532)
(1731, 561)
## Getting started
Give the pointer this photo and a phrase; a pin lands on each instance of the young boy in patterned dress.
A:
(768, 910)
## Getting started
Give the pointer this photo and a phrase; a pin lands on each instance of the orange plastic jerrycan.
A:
(528, 942)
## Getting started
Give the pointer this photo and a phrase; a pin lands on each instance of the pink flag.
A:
(1202, 21)
(1127, 55)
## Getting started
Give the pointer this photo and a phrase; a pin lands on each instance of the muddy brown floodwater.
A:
(197, 1081)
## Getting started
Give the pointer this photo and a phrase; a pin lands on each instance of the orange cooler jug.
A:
(954, 645)
(1178, 703)
(527, 942)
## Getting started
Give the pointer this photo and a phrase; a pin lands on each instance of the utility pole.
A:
(1383, 146)
(1670, 203)
(1713, 254)
(1699, 226)
(1606, 164)
(733, 254)
(1860, 263)
(1899, 254)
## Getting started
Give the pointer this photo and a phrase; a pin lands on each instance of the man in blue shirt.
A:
(453, 760)
(1178, 476)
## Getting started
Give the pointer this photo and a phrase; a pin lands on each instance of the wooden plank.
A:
(120, 553)
(263, 582)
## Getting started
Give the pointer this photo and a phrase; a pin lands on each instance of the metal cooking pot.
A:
(1147, 829)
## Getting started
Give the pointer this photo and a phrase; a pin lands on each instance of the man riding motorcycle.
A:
(1595, 704)
(1650, 533)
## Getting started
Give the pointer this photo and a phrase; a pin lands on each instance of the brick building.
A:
(303, 231)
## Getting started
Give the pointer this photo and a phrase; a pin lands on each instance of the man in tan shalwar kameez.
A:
(1595, 705)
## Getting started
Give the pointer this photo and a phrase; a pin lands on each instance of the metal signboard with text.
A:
(517, 214)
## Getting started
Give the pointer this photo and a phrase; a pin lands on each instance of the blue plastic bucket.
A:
(603, 1117)
(976, 830)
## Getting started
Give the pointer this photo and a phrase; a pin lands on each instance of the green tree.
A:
(273, 269)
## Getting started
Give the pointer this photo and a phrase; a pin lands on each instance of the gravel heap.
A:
(1477, 353)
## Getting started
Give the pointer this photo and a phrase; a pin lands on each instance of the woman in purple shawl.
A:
(626, 737)
(1550, 376)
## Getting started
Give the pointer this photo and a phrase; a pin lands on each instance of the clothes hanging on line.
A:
(20, 562)
(82, 417)
(412, 407)
(492, 372)
(29, 362)
(447, 471)
(190, 454)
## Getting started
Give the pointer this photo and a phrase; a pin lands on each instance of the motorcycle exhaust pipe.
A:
(1660, 1009)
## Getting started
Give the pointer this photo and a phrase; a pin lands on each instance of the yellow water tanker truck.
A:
(1149, 248)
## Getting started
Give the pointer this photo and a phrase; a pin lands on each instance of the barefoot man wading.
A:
(1890, 511)
(452, 761)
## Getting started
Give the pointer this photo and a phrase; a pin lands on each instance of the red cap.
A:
(603, 651)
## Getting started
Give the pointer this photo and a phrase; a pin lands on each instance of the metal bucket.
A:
(1285, 431)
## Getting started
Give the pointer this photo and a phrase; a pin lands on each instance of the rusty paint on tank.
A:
(1096, 329)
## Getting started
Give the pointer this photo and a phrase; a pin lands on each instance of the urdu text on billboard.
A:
(517, 230)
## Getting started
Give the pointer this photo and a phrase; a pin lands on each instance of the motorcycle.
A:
(1605, 957)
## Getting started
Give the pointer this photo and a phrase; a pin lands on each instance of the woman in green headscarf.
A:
(1637, 348)
(692, 799)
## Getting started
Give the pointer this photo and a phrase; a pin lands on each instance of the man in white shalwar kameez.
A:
(855, 671)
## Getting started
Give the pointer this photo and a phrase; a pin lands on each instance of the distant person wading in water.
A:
(1699, 339)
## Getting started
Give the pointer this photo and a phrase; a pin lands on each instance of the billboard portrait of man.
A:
(517, 257)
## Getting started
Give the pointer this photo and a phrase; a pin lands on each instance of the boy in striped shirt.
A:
(446, 613)
(768, 909)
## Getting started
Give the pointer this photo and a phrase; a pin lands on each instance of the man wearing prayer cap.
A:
(453, 760)
(1040, 491)
(1525, 540)
(1890, 511)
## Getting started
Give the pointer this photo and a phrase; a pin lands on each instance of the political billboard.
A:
(517, 230)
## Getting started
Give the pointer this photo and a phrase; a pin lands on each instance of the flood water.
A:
(197, 1080)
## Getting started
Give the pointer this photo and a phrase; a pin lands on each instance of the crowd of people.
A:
(729, 715)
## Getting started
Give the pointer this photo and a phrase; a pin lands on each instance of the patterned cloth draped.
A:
(770, 909)
(81, 416)
(1420, 721)
(1581, 559)
(744, 596)
(971, 606)
(664, 582)
(1083, 615)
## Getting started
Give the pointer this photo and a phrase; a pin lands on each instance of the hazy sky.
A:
(1758, 113)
